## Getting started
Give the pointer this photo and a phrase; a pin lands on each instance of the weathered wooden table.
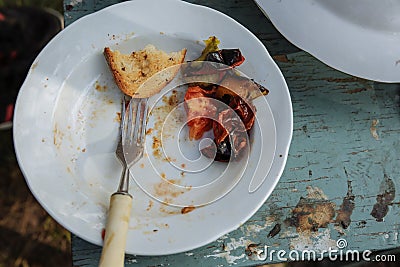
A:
(342, 171)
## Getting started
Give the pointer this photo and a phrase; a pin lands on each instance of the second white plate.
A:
(358, 37)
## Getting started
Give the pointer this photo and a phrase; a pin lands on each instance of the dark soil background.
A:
(29, 237)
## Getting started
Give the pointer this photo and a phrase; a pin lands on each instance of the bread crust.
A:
(145, 72)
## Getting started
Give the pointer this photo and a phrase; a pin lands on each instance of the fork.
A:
(129, 150)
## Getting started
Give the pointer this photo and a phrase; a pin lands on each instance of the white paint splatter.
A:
(315, 193)
(230, 259)
(74, 2)
(131, 260)
(254, 229)
(317, 241)
(234, 244)
(288, 234)
(230, 247)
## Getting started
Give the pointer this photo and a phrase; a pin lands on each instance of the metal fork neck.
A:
(124, 182)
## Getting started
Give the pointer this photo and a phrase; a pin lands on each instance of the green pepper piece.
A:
(211, 46)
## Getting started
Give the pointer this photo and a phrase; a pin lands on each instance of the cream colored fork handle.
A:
(113, 253)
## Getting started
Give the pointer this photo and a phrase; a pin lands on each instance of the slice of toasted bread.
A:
(150, 66)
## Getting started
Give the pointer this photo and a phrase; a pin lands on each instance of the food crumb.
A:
(160, 113)
(187, 209)
(34, 65)
(149, 131)
(156, 142)
(169, 159)
(103, 233)
(151, 204)
(118, 117)
(99, 87)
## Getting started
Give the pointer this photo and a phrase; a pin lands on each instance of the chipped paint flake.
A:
(230, 259)
(373, 128)
(343, 218)
(230, 249)
(254, 229)
(131, 261)
(234, 244)
(75, 2)
(315, 193)
(318, 241)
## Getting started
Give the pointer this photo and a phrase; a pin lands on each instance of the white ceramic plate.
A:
(358, 37)
(66, 126)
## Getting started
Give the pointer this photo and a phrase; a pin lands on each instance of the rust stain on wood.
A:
(281, 58)
(344, 80)
(275, 230)
(251, 249)
(343, 217)
(312, 212)
(384, 199)
(354, 91)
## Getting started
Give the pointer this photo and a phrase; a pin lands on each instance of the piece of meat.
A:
(199, 110)
(244, 110)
